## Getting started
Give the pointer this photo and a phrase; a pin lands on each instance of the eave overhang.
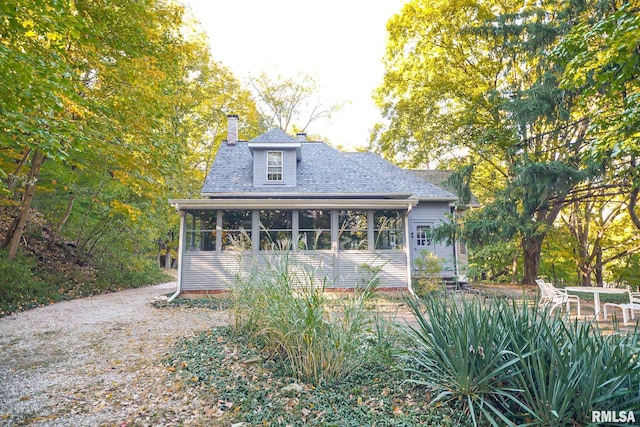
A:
(279, 203)
(274, 145)
(277, 146)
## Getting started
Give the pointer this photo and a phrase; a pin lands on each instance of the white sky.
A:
(340, 42)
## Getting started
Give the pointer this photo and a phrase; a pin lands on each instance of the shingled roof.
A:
(441, 179)
(274, 135)
(321, 170)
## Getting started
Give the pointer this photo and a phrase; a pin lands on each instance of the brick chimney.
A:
(232, 129)
(301, 136)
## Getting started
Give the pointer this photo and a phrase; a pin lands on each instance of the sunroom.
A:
(338, 242)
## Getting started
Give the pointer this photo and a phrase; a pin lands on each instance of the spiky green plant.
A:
(461, 355)
(513, 364)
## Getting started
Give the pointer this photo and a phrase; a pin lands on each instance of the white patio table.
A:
(596, 291)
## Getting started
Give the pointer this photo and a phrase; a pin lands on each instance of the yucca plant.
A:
(540, 370)
(573, 369)
(461, 354)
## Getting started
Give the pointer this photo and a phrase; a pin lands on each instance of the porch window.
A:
(388, 230)
(236, 230)
(275, 230)
(274, 166)
(314, 229)
(201, 231)
(352, 230)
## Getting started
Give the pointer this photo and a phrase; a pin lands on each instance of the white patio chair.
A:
(627, 308)
(549, 294)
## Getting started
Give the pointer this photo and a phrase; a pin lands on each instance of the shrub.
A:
(428, 277)
(20, 289)
(511, 364)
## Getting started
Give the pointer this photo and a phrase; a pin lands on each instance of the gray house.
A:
(336, 213)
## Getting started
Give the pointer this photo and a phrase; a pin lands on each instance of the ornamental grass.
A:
(284, 309)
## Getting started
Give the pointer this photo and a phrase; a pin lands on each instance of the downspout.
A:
(456, 261)
(407, 251)
(180, 245)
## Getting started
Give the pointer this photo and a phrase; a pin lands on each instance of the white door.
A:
(420, 239)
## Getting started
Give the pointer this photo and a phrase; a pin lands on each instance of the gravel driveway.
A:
(98, 362)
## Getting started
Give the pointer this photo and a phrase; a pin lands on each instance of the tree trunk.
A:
(585, 274)
(167, 257)
(633, 202)
(63, 220)
(531, 250)
(598, 268)
(15, 235)
(633, 196)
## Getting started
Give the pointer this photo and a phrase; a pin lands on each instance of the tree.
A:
(39, 100)
(95, 97)
(220, 94)
(602, 56)
(479, 77)
(286, 102)
(601, 234)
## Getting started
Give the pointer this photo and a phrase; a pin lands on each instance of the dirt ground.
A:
(98, 361)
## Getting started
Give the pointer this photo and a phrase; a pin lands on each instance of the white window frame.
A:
(275, 172)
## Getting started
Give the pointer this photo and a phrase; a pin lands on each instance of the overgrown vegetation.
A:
(514, 365)
(49, 270)
(284, 308)
(295, 356)
(26, 285)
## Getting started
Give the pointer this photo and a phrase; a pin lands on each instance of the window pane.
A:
(389, 229)
(274, 158)
(275, 229)
(201, 231)
(352, 227)
(236, 230)
(274, 165)
(315, 230)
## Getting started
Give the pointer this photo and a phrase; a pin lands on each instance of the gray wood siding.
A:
(217, 270)
(351, 273)
(209, 270)
(434, 213)
(289, 163)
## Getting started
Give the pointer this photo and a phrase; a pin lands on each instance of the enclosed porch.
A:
(338, 242)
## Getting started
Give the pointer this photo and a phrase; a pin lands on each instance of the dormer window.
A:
(274, 166)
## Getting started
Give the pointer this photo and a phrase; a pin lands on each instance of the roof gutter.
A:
(259, 203)
(304, 195)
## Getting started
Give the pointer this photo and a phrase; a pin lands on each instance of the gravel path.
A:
(98, 362)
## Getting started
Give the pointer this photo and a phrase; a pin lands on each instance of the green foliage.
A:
(19, 288)
(427, 278)
(494, 261)
(537, 96)
(126, 106)
(284, 308)
(511, 364)
(626, 272)
(228, 369)
(601, 57)
(558, 260)
(26, 284)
